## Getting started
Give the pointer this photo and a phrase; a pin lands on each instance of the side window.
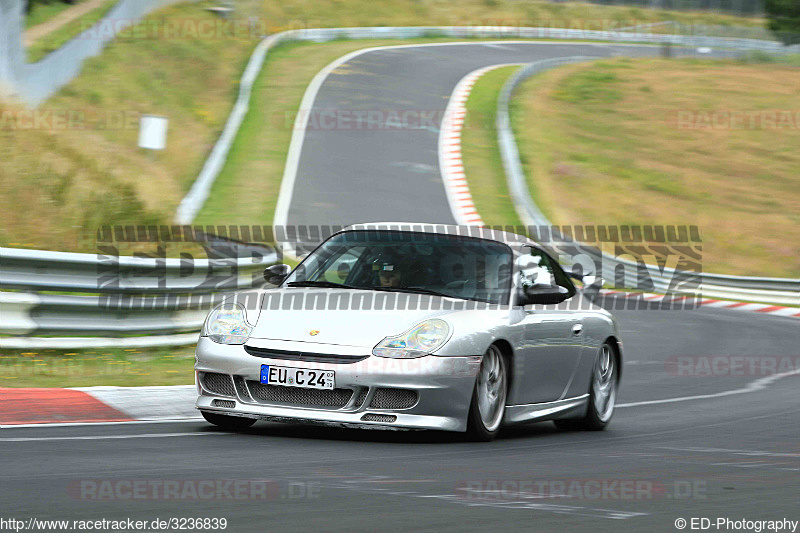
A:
(534, 269)
(538, 268)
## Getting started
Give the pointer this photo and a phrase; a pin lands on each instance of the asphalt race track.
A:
(710, 446)
(396, 171)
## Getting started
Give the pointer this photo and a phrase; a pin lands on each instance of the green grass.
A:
(601, 143)
(60, 36)
(763, 57)
(43, 12)
(88, 368)
(599, 147)
(481, 154)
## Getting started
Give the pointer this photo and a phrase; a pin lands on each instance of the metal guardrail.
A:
(132, 296)
(778, 291)
(100, 273)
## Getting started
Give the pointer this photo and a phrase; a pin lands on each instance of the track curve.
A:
(396, 169)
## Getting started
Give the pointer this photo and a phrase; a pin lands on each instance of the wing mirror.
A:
(276, 274)
(543, 295)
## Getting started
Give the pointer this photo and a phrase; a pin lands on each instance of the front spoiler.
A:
(294, 415)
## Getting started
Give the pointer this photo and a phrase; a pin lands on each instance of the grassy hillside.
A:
(58, 182)
(80, 167)
(644, 141)
(286, 14)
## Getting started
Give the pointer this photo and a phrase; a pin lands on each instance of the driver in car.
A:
(388, 274)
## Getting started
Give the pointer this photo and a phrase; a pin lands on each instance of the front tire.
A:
(231, 423)
(488, 405)
(602, 394)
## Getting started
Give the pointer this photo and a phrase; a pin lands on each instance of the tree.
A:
(784, 19)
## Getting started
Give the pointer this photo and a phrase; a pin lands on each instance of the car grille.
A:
(230, 404)
(303, 356)
(336, 398)
(373, 417)
(393, 399)
(218, 384)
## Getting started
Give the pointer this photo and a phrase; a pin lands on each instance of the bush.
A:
(784, 20)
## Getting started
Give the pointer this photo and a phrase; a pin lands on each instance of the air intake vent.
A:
(228, 404)
(362, 397)
(372, 417)
(303, 356)
(241, 388)
(393, 399)
(218, 384)
(336, 398)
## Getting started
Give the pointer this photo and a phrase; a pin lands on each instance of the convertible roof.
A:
(445, 229)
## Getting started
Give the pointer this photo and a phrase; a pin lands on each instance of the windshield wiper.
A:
(321, 284)
(333, 285)
(414, 290)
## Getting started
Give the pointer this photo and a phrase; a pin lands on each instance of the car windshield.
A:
(449, 265)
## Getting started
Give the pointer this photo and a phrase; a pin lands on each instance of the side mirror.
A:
(543, 295)
(276, 274)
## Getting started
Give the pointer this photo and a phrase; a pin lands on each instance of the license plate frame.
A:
(309, 378)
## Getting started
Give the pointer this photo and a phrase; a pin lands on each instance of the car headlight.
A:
(421, 340)
(227, 324)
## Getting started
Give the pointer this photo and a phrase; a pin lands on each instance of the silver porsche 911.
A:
(413, 327)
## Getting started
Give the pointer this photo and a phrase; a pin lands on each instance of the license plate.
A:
(297, 377)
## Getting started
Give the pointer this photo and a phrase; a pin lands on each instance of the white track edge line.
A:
(754, 386)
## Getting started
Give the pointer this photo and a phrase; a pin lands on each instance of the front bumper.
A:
(443, 386)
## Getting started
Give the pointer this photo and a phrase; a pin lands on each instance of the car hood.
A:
(292, 315)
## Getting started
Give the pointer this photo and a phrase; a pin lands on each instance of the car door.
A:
(551, 344)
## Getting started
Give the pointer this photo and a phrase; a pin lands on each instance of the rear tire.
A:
(602, 394)
(488, 406)
(232, 423)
